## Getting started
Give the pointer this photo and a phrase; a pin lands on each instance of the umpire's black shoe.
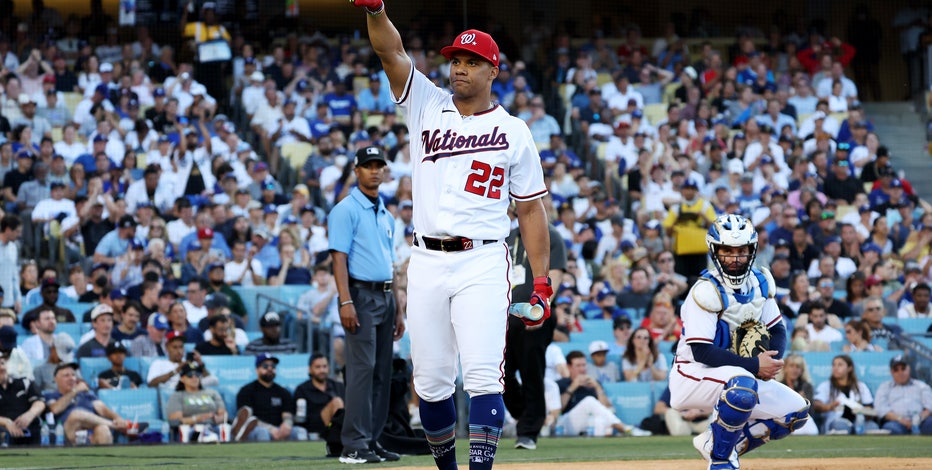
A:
(359, 456)
(384, 455)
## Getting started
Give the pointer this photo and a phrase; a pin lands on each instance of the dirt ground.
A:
(746, 464)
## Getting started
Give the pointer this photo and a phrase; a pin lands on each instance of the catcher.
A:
(732, 344)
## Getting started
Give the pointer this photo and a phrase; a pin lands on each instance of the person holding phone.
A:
(164, 372)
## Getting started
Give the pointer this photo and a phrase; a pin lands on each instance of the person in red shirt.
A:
(662, 321)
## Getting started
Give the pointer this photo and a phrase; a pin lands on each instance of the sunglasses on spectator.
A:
(193, 374)
(268, 366)
(641, 336)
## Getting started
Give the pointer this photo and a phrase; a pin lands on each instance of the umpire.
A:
(361, 234)
(525, 348)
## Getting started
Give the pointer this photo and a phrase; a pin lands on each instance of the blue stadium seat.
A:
(633, 401)
(142, 365)
(91, 367)
(233, 370)
(292, 369)
(228, 392)
(286, 294)
(915, 325)
(870, 367)
(404, 346)
(141, 404)
(596, 325)
(574, 345)
(589, 335)
(74, 330)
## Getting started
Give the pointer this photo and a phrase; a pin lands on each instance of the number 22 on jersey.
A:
(485, 180)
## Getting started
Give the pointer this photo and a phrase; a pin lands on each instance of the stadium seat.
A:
(602, 78)
(870, 367)
(138, 405)
(296, 153)
(142, 365)
(599, 324)
(91, 367)
(292, 369)
(71, 101)
(228, 392)
(633, 401)
(588, 336)
(655, 112)
(574, 346)
(404, 347)
(233, 370)
(914, 326)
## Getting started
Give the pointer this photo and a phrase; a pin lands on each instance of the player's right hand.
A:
(768, 366)
(373, 5)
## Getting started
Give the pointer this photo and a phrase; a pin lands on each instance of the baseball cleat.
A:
(703, 444)
(525, 443)
(359, 456)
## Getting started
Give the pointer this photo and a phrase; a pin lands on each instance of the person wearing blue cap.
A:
(267, 403)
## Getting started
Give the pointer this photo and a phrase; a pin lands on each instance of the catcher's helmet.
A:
(732, 230)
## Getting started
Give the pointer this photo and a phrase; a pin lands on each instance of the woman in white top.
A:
(858, 334)
(642, 361)
(69, 147)
(841, 396)
(90, 77)
(837, 103)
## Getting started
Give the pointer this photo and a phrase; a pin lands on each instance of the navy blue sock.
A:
(439, 422)
(486, 416)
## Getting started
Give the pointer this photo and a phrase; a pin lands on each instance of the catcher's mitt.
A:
(750, 339)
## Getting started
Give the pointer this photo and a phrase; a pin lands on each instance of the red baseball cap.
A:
(475, 42)
(205, 232)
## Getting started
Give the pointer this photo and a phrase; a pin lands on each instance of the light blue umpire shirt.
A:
(366, 234)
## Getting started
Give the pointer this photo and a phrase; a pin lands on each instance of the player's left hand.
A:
(399, 326)
(541, 296)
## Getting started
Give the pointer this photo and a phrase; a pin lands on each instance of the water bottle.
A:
(59, 435)
(859, 424)
(44, 435)
(301, 410)
(526, 310)
(166, 432)
(916, 420)
(590, 426)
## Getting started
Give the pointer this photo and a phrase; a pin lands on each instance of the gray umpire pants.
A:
(368, 367)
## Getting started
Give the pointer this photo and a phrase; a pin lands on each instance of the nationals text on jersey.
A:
(456, 144)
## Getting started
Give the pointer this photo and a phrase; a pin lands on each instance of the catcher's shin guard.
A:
(733, 410)
(763, 431)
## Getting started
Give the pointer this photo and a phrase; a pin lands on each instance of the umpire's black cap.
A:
(367, 154)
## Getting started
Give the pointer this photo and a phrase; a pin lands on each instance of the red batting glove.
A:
(541, 296)
(372, 6)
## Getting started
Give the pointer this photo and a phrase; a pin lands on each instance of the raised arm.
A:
(386, 42)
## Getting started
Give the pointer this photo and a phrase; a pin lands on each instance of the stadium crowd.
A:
(142, 185)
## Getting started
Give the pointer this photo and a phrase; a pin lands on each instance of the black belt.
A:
(384, 286)
(451, 243)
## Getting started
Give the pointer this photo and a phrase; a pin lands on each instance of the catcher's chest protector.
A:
(740, 308)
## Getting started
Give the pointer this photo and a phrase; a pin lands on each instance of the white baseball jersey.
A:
(706, 298)
(466, 168)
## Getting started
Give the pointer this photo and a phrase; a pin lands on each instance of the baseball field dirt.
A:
(746, 464)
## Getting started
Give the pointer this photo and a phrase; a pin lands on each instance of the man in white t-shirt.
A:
(164, 371)
(183, 225)
(243, 270)
(820, 333)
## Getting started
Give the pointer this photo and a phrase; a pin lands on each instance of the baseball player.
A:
(470, 159)
(749, 408)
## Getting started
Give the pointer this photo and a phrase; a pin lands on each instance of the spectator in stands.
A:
(196, 296)
(62, 351)
(49, 291)
(178, 322)
(858, 335)
(127, 330)
(904, 404)
(621, 331)
(582, 397)
(642, 361)
(839, 397)
(164, 372)
(216, 284)
(41, 127)
(37, 346)
(191, 403)
(320, 304)
(323, 395)
(77, 408)
(150, 344)
(20, 408)
(116, 242)
(637, 295)
(18, 364)
(10, 232)
(222, 338)
(603, 371)
(102, 325)
(821, 335)
(795, 375)
(271, 341)
(681, 423)
(289, 273)
(919, 307)
(118, 377)
(661, 322)
(7, 315)
(271, 404)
